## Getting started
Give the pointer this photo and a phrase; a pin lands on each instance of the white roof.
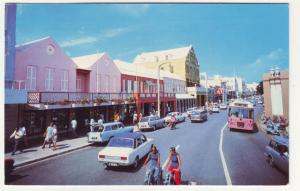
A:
(85, 62)
(161, 55)
(241, 103)
(32, 42)
(136, 69)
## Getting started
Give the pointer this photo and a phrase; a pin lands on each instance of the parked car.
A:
(190, 110)
(125, 149)
(199, 115)
(277, 153)
(223, 106)
(151, 122)
(260, 102)
(179, 117)
(215, 109)
(109, 130)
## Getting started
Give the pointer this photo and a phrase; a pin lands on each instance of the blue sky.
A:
(241, 39)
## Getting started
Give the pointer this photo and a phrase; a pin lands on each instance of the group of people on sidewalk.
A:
(50, 136)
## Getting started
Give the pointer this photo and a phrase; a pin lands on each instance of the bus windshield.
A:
(240, 112)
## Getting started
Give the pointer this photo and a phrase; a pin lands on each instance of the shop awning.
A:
(184, 96)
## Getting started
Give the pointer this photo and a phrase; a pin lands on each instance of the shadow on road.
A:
(13, 177)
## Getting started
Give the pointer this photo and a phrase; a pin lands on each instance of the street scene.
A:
(195, 96)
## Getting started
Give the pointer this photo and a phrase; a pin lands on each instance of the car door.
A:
(158, 121)
(144, 147)
(283, 160)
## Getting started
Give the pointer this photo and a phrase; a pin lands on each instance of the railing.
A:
(47, 97)
(15, 84)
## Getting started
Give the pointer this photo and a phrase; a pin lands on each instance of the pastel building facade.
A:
(44, 67)
(97, 73)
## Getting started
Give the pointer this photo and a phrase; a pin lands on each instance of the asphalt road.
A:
(199, 149)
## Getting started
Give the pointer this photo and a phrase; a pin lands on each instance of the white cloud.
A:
(273, 58)
(78, 41)
(110, 33)
(132, 10)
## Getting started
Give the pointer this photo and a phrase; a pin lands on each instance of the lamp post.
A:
(158, 87)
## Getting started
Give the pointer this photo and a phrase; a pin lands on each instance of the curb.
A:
(49, 156)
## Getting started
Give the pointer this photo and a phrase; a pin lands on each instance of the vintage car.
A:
(199, 115)
(277, 153)
(125, 150)
(215, 109)
(151, 122)
(179, 117)
(223, 106)
(190, 110)
(107, 131)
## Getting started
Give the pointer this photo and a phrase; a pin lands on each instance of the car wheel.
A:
(136, 162)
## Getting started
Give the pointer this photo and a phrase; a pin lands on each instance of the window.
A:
(132, 86)
(31, 78)
(78, 85)
(128, 86)
(49, 79)
(98, 85)
(106, 83)
(64, 81)
(124, 87)
(141, 87)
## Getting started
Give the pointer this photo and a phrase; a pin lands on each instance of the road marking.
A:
(227, 176)
(164, 165)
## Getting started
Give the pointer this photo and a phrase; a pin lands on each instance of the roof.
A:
(137, 69)
(242, 102)
(32, 42)
(171, 54)
(281, 140)
(133, 135)
(85, 62)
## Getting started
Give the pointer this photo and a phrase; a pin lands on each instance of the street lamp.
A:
(158, 87)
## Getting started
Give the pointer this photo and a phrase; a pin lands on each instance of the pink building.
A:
(97, 73)
(43, 66)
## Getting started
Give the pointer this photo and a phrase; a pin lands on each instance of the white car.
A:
(179, 117)
(223, 106)
(109, 130)
(190, 110)
(151, 122)
(125, 150)
(215, 109)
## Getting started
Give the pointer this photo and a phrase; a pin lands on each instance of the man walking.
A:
(74, 127)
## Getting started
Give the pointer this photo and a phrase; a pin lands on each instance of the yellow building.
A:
(181, 61)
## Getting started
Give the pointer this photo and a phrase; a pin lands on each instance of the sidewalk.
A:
(34, 154)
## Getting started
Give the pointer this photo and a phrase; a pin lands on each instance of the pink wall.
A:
(36, 54)
(109, 74)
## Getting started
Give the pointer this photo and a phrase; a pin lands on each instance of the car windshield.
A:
(145, 119)
(195, 113)
(121, 142)
(241, 112)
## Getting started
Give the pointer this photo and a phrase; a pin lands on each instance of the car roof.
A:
(132, 135)
(111, 123)
(281, 140)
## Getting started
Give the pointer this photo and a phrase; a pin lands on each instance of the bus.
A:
(241, 115)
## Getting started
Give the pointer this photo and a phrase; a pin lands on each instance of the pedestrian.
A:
(48, 135)
(92, 124)
(100, 121)
(23, 129)
(74, 127)
(54, 136)
(135, 118)
(140, 117)
(17, 135)
(116, 117)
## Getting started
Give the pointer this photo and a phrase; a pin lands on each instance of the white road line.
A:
(164, 165)
(227, 176)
